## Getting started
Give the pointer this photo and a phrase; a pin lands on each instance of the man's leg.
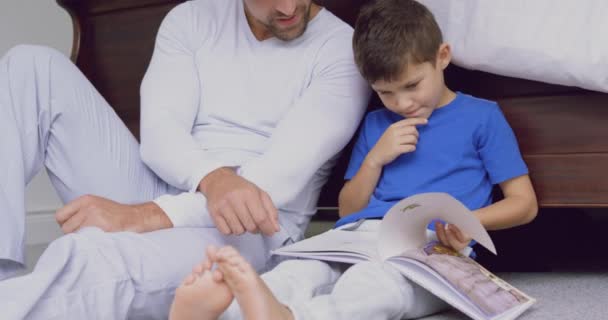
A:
(52, 116)
(97, 275)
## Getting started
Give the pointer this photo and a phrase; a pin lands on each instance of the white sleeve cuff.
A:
(186, 209)
(202, 171)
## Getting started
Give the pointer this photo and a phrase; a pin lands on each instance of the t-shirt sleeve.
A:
(360, 150)
(498, 148)
(334, 104)
(170, 101)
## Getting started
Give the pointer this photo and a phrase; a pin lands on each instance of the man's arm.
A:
(169, 105)
(170, 95)
(317, 127)
(110, 216)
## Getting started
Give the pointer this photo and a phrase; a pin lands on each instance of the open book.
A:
(402, 241)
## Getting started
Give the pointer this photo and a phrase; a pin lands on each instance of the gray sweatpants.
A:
(53, 118)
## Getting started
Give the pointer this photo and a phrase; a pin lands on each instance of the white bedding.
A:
(556, 41)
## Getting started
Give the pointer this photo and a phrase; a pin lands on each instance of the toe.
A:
(189, 280)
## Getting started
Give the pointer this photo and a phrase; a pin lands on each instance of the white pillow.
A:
(555, 41)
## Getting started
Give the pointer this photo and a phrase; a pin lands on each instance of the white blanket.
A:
(555, 41)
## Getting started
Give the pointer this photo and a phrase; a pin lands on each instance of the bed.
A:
(562, 130)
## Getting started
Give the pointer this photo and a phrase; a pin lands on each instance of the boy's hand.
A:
(401, 137)
(451, 236)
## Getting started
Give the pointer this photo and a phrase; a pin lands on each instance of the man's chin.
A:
(289, 34)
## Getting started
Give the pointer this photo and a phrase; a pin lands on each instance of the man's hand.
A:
(451, 236)
(237, 205)
(110, 216)
(400, 137)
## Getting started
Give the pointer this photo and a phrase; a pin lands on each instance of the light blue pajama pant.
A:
(52, 117)
(318, 290)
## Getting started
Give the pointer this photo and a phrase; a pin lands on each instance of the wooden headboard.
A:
(562, 131)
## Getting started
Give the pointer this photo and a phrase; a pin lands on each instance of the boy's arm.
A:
(518, 207)
(399, 138)
(356, 192)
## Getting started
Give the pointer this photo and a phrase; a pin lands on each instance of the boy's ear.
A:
(444, 56)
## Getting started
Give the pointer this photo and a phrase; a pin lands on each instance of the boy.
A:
(428, 139)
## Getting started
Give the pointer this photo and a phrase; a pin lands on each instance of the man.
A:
(244, 105)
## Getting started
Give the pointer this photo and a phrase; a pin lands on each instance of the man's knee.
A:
(81, 243)
(27, 58)
(28, 51)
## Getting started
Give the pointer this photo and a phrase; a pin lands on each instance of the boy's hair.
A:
(390, 35)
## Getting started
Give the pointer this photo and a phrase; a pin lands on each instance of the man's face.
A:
(284, 19)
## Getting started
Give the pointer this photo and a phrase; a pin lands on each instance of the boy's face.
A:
(419, 90)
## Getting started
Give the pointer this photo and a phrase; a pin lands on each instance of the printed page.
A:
(491, 296)
(335, 245)
(404, 226)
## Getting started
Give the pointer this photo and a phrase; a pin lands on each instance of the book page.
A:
(335, 245)
(490, 294)
(404, 225)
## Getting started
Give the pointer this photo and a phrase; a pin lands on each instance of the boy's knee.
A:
(370, 275)
(299, 266)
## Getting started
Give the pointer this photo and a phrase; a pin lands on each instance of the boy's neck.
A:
(447, 96)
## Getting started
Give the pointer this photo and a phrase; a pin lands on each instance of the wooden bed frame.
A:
(562, 131)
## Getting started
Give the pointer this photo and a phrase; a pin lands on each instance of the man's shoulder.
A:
(207, 9)
(329, 30)
(210, 4)
(332, 22)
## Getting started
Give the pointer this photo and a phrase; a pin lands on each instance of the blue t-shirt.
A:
(466, 148)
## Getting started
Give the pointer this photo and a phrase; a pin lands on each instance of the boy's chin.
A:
(420, 115)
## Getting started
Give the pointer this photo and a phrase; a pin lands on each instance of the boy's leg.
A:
(294, 282)
(53, 117)
(370, 290)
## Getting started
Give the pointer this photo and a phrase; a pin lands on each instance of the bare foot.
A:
(203, 295)
(255, 299)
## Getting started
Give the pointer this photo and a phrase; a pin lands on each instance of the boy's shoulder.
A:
(381, 115)
(473, 101)
(473, 107)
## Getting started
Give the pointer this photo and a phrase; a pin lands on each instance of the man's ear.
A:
(444, 56)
